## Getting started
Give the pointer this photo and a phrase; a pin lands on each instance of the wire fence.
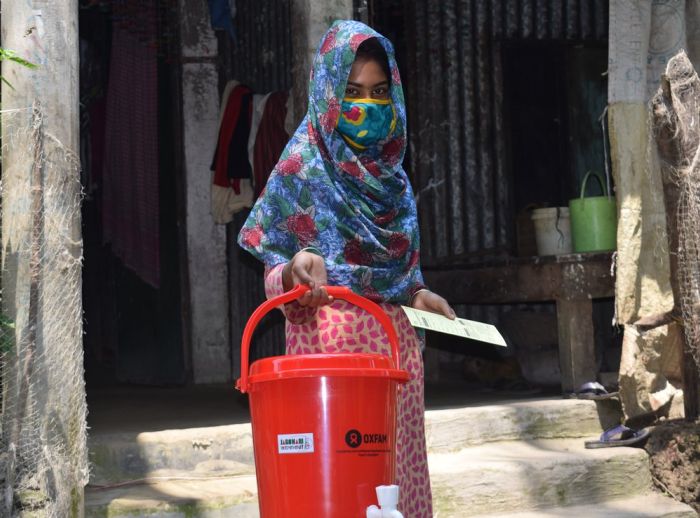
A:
(688, 181)
(43, 454)
(676, 110)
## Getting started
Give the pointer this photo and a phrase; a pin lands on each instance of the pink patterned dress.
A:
(343, 327)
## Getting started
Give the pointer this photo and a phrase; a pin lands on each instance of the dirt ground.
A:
(674, 447)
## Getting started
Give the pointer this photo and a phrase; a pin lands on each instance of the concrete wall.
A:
(206, 241)
(310, 20)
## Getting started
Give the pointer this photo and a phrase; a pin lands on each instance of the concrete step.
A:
(124, 456)
(530, 475)
(177, 497)
(457, 428)
(536, 476)
(641, 506)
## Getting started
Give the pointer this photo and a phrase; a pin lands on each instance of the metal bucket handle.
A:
(334, 291)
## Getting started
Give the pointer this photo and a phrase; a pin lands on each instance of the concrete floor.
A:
(142, 409)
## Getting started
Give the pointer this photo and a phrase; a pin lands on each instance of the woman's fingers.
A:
(446, 309)
(301, 274)
(310, 270)
(440, 305)
(429, 301)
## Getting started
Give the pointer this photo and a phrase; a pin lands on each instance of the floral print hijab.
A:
(355, 208)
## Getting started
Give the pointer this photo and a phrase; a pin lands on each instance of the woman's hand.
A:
(309, 269)
(429, 301)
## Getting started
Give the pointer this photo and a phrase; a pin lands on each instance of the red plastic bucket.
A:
(324, 425)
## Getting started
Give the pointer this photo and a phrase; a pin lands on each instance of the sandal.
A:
(593, 391)
(619, 435)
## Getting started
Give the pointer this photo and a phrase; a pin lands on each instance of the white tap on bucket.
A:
(388, 498)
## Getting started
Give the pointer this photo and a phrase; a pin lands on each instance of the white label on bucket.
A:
(295, 443)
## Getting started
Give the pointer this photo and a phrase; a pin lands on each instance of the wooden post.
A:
(42, 255)
(576, 332)
(576, 342)
(675, 115)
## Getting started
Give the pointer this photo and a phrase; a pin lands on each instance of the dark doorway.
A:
(131, 296)
(555, 94)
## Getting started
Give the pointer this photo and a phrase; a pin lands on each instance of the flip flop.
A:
(593, 391)
(619, 435)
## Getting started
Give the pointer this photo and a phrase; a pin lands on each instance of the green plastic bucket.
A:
(593, 220)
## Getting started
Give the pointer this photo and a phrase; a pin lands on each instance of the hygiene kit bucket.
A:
(324, 425)
(552, 230)
(593, 219)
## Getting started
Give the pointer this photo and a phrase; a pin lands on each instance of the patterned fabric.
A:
(130, 185)
(342, 327)
(365, 121)
(356, 208)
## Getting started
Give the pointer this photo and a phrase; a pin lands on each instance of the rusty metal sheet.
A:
(457, 133)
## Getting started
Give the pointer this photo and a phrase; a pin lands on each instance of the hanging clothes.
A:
(222, 14)
(259, 103)
(130, 198)
(232, 188)
(270, 138)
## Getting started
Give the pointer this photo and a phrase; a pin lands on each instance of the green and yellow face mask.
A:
(364, 122)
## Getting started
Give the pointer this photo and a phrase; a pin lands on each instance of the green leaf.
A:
(23, 62)
(11, 55)
(381, 284)
(6, 82)
(305, 199)
(344, 230)
(348, 56)
(366, 211)
(285, 207)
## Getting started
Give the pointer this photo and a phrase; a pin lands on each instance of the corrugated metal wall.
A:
(261, 54)
(261, 58)
(455, 95)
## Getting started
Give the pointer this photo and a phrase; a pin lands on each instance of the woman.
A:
(338, 210)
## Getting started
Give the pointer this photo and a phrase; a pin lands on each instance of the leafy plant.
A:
(11, 55)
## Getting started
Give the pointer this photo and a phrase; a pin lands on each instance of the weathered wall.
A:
(43, 429)
(206, 242)
(310, 20)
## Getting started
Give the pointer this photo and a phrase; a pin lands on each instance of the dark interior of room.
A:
(133, 330)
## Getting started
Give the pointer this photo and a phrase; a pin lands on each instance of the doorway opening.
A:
(131, 180)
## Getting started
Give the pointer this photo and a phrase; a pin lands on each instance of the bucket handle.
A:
(600, 181)
(338, 292)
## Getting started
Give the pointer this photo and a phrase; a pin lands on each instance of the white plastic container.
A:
(552, 230)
